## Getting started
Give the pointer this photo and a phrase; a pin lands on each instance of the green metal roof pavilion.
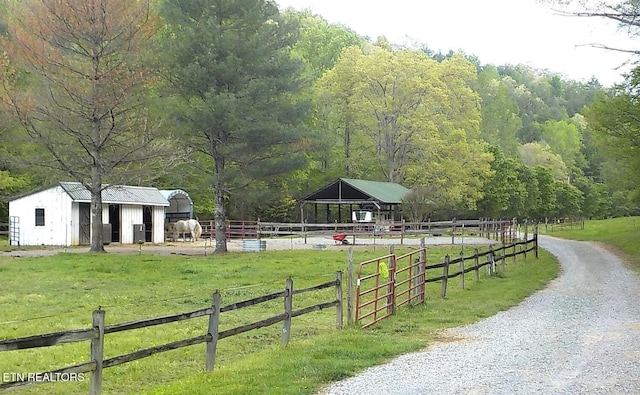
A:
(353, 191)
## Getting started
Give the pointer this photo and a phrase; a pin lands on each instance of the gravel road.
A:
(580, 335)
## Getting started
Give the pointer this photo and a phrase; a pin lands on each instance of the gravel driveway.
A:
(581, 335)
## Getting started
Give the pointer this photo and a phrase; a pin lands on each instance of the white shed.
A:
(60, 214)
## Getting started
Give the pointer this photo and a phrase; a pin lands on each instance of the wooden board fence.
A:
(97, 332)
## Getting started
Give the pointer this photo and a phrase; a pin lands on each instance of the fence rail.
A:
(4, 229)
(557, 224)
(98, 331)
(504, 230)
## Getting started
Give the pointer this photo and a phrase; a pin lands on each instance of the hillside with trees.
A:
(250, 107)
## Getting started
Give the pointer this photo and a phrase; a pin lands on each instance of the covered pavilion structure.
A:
(381, 198)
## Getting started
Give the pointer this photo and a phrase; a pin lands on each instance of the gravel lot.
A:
(581, 335)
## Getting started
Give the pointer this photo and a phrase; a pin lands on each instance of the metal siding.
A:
(129, 216)
(158, 224)
(57, 214)
(74, 228)
(105, 213)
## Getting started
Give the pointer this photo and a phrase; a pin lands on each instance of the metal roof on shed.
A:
(349, 189)
(117, 194)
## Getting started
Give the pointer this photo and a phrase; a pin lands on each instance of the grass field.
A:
(622, 233)
(47, 294)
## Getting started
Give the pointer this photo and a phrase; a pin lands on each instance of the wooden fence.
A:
(390, 281)
(4, 229)
(504, 230)
(96, 334)
(556, 224)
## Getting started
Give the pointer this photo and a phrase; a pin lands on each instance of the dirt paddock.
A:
(207, 247)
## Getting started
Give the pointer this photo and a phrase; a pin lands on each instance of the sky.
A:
(498, 32)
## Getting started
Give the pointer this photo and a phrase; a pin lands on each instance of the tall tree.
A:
(615, 121)
(500, 119)
(540, 154)
(230, 69)
(81, 94)
(504, 194)
(564, 139)
(546, 202)
(320, 43)
(417, 120)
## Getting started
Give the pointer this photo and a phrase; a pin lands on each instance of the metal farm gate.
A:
(14, 231)
(389, 281)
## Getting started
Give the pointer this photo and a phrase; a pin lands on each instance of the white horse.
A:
(182, 227)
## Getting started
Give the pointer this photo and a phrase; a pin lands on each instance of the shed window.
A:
(39, 217)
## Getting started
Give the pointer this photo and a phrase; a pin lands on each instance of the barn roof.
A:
(112, 194)
(349, 190)
(117, 194)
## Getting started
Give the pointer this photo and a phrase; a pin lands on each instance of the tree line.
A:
(249, 107)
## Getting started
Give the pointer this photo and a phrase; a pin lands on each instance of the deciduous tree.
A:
(76, 79)
(417, 120)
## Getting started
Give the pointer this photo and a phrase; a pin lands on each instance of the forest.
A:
(249, 108)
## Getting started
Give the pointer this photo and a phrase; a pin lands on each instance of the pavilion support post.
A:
(315, 213)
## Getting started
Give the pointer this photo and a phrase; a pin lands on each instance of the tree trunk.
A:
(97, 244)
(219, 214)
(219, 217)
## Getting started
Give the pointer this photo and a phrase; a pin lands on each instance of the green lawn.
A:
(622, 233)
(40, 295)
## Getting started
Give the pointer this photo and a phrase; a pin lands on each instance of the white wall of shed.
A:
(58, 220)
(158, 224)
(74, 231)
(129, 215)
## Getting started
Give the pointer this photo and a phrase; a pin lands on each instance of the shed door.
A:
(85, 224)
(147, 219)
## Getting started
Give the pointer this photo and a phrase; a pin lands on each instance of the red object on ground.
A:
(340, 237)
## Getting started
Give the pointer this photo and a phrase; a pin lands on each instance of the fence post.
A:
(526, 238)
(391, 289)
(350, 286)
(214, 321)
(339, 299)
(453, 231)
(461, 270)
(288, 308)
(535, 240)
(445, 276)
(402, 232)
(304, 230)
(97, 352)
(490, 262)
(514, 254)
(504, 252)
(423, 270)
(475, 262)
